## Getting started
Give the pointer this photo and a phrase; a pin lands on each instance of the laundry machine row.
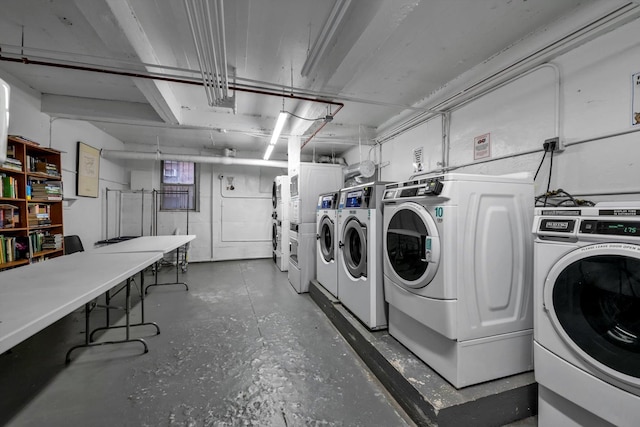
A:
(457, 251)
(360, 286)
(280, 223)
(587, 315)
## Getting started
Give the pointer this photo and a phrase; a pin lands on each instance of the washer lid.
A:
(354, 248)
(412, 246)
(592, 296)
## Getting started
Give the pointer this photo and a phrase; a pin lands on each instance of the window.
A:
(178, 186)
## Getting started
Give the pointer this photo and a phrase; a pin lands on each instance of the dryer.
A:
(327, 241)
(457, 253)
(360, 282)
(587, 314)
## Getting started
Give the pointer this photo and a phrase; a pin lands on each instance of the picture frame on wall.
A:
(88, 171)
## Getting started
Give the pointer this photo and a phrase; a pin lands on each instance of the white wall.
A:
(82, 216)
(583, 94)
(231, 223)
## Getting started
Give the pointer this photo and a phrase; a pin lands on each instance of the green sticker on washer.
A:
(428, 244)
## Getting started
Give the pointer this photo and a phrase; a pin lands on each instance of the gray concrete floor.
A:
(240, 348)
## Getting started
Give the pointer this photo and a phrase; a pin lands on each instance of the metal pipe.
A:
(136, 155)
(198, 53)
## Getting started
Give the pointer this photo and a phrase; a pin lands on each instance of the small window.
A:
(178, 186)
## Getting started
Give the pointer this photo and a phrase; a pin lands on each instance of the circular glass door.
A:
(274, 235)
(326, 238)
(593, 298)
(274, 195)
(412, 245)
(354, 248)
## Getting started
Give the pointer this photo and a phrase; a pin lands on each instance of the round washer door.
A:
(354, 248)
(274, 195)
(326, 238)
(592, 296)
(274, 235)
(411, 246)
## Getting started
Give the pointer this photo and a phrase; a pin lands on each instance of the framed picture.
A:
(88, 178)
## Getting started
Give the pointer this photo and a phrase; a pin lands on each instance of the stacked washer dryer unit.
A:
(587, 315)
(458, 273)
(281, 222)
(360, 281)
(311, 180)
(327, 241)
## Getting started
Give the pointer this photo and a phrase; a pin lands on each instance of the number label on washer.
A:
(439, 211)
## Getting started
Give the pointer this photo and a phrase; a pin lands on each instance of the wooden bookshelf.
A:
(31, 228)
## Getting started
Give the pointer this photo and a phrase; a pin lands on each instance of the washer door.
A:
(326, 238)
(274, 235)
(411, 246)
(274, 195)
(354, 248)
(593, 298)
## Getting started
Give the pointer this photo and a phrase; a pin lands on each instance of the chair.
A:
(72, 244)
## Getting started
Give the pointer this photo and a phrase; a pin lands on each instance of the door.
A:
(326, 238)
(354, 248)
(593, 298)
(411, 245)
(274, 235)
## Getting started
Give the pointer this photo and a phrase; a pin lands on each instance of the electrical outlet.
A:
(553, 144)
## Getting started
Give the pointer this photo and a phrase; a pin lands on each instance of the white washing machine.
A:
(327, 241)
(458, 273)
(311, 180)
(360, 282)
(587, 315)
(281, 222)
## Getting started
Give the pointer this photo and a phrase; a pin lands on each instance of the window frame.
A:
(194, 198)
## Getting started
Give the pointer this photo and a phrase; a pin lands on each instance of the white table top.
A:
(35, 296)
(163, 244)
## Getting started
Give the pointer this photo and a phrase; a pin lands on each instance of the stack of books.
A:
(52, 241)
(47, 190)
(9, 216)
(38, 214)
(13, 164)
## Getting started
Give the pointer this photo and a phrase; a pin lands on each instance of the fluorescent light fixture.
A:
(267, 154)
(282, 117)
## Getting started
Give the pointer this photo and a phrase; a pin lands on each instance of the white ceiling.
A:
(385, 61)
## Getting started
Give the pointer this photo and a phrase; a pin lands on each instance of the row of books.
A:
(9, 187)
(42, 240)
(13, 248)
(47, 190)
(42, 166)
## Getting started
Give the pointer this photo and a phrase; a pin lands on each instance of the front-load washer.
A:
(360, 282)
(457, 252)
(327, 241)
(281, 223)
(587, 314)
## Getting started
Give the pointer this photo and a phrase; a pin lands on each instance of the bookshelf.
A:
(31, 226)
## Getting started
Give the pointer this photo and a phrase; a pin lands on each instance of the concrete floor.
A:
(240, 348)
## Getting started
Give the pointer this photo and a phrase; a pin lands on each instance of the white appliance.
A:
(281, 222)
(458, 273)
(587, 315)
(327, 241)
(311, 180)
(360, 282)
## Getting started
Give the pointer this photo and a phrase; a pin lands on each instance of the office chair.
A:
(72, 244)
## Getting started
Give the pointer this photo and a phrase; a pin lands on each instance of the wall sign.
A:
(418, 159)
(482, 146)
(635, 97)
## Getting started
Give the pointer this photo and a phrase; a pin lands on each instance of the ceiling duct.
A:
(364, 169)
(133, 155)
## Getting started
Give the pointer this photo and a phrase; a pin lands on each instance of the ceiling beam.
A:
(72, 107)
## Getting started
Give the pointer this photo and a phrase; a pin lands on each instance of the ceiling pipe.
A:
(138, 155)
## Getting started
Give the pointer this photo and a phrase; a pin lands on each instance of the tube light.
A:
(282, 117)
(267, 154)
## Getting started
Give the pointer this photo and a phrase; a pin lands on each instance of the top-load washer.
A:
(360, 283)
(327, 241)
(587, 314)
(458, 272)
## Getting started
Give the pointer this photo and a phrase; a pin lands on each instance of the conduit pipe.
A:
(137, 155)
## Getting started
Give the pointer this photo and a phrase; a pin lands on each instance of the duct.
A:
(364, 169)
(136, 155)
